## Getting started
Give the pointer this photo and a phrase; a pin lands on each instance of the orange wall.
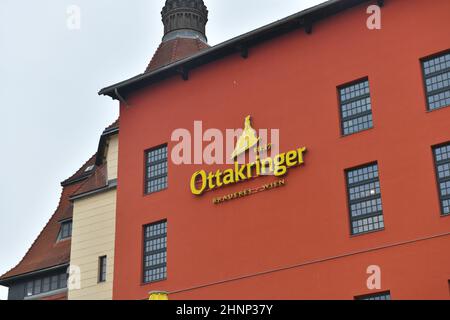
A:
(290, 83)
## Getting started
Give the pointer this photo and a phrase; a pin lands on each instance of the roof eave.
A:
(110, 185)
(77, 179)
(7, 281)
(302, 19)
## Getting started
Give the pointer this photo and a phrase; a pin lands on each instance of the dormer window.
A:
(65, 232)
(90, 168)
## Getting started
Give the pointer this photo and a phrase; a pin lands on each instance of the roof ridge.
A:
(153, 56)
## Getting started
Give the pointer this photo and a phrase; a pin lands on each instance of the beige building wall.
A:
(93, 235)
(112, 155)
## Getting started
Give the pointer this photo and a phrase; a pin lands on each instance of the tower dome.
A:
(184, 32)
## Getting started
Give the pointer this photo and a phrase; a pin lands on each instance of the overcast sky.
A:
(51, 114)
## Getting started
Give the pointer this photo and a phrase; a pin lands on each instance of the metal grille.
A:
(378, 296)
(364, 194)
(442, 163)
(356, 107)
(102, 269)
(436, 71)
(155, 252)
(156, 169)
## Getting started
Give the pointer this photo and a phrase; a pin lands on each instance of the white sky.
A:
(51, 114)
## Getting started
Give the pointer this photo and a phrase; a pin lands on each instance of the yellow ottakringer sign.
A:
(158, 295)
(202, 181)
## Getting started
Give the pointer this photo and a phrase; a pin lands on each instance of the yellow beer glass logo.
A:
(247, 140)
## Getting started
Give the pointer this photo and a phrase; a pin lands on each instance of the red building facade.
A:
(371, 190)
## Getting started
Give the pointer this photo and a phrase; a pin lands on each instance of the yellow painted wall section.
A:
(93, 235)
(112, 157)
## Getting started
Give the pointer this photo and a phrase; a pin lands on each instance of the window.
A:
(442, 164)
(364, 194)
(65, 231)
(90, 168)
(356, 107)
(46, 284)
(29, 289)
(102, 269)
(37, 286)
(155, 252)
(378, 296)
(156, 169)
(436, 71)
(63, 280)
(54, 283)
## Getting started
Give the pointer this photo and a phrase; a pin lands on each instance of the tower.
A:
(184, 32)
(184, 19)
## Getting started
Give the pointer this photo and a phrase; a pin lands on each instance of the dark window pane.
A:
(54, 283)
(377, 296)
(46, 284)
(437, 81)
(442, 164)
(102, 269)
(364, 195)
(29, 288)
(156, 170)
(155, 252)
(37, 286)
(356, 107)
(66, 230)
(63, 281)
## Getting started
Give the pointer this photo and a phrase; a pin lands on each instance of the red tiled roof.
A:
(99, 178)
(174, 50)
(46, 251)
(81, 172)
(96, 181)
